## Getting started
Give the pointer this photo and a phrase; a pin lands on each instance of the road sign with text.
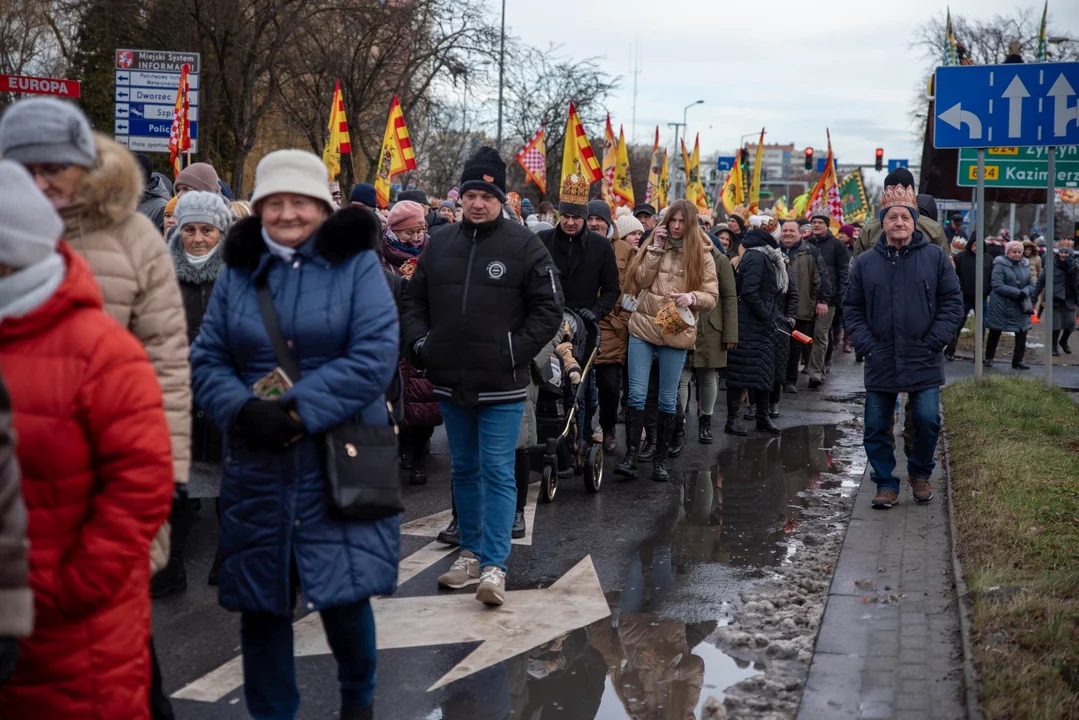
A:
(984, 106)
(39, 85)
(146, 83)
(1019, 167)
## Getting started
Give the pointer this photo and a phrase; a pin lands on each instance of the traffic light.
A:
(743, 159)
(809, 158)
(880, 159)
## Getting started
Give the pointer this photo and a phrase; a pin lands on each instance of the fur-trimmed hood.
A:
(196, 275)
(344, 234)
(109, 192)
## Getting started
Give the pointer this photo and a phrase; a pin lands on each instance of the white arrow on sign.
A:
(1063, 113)
(956, 116)
(1015, 93)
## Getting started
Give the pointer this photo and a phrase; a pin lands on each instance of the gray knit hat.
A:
(203, 207)
(29, 227)
(46, 130)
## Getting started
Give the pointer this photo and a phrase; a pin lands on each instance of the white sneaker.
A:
(464, 572)
(492, 589)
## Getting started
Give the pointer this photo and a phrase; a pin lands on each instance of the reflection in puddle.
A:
(642, 663)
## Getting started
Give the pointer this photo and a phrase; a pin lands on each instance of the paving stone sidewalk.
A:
(889, 644)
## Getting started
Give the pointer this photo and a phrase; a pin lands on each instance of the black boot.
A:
(418, 474)
(1017, 357)
(704, 432)
(627, 469)
(733, 405)
(367, 713)
(764, 423)
(211, 579)
(648, 450)
(451, 535)
(170, 579)
(678, 436)
(664, 432)
(1064, 347)
(173, 577)
(519, 527)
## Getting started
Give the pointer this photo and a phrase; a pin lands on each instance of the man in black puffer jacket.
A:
(483, 301)
(836, 264)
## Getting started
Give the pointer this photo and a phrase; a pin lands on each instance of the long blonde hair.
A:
(694, 245)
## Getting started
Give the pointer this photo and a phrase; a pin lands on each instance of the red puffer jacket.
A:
(95, 453)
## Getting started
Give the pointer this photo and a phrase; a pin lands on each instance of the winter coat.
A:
(718, 327)
(1034, 259)
(1065, 284)
(966, 268)
(807, 268)
(196, 287)
(661, 274)
(16, 600)
(1012, 283)
(835, 257)
(902, 309)
(614, 327)
(80, 383)
(485, 298)
(155, 196)
(418, 394)
(925, 225)
(333, 303)
(133, 269)
(751, 365)
(786, 309)
(589, 267)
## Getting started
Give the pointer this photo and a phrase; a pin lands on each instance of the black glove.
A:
(419, 358)
(9, 656)
(588, 316)
(267, 425)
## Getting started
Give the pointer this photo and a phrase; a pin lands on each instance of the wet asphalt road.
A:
(670, 559)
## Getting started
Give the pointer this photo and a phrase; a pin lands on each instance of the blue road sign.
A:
(822, 161)
(898, 163)
(981, 106)
(725, 163)
(149, 128)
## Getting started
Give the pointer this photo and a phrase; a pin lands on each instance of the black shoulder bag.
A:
(360, 460)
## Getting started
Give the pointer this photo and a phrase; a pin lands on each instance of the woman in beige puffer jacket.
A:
(674, 265)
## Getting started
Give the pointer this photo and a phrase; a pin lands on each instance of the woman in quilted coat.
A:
(1011, 304)
(94, 448)
(278, 538)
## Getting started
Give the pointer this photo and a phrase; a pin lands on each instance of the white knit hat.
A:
(627, 224)
(292, 171)
(29, 226)
(203, 207)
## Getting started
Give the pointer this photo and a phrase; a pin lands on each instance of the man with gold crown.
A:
(902, 308)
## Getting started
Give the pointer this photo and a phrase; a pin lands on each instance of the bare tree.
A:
(30, 43)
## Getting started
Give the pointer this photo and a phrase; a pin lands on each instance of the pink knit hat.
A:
(1013, 243)
(406, 214)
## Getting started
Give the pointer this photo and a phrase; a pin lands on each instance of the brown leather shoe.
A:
(885, 499)
(922, 490)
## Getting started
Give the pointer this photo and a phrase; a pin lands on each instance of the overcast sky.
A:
(793, 67)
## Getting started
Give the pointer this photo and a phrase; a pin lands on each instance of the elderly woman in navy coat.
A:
(277, 538)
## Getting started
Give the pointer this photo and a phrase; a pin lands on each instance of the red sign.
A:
(39, 86)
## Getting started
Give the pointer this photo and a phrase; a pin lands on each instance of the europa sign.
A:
(39, 86)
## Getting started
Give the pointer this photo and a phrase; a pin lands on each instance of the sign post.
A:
(1049, 264)
(979, 271)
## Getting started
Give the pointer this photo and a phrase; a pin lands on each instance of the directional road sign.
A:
(1006, 105)
(898, 163)
(1019, 167)
(150, 112)
(146, 82)
(725, 163)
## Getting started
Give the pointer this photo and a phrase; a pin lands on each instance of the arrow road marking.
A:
(1063, 113)
(1015, 93)
(956, 116)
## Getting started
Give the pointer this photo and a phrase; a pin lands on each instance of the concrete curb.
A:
(970, 673)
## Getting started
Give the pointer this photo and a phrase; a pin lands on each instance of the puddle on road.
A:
(652, 657)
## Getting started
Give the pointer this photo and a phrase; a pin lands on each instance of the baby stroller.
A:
(559, 416)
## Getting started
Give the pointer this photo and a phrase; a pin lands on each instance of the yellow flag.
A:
(623, 183)
(694, 188)
(396, 156)
(663, 189)
(755, 186)
(781, 208)
(577, 156)
(733, 193)
(651, 195)
(798, 207)
(339, 143)
(610, 164)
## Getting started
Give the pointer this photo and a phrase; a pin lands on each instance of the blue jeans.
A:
(671, 362)
(269, 667)
(879, 409)
(482, 444)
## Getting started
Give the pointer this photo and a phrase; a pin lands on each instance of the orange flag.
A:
(180, 134)
(824, 197)
(533, 158)
(396, 156)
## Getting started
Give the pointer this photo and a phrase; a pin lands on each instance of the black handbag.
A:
(360, 461)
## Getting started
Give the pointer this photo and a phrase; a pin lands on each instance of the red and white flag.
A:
(180, 135)
(533, 158)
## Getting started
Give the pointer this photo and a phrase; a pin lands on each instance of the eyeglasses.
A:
(46, 171)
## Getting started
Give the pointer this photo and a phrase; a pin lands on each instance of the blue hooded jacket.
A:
(333, 303)
(903, 306)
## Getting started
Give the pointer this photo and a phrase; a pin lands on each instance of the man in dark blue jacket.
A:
(903, 306)
(483, 301)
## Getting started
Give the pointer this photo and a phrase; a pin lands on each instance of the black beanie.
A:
(600, 209)
(927, 205)
(485, 171)
(899, 176)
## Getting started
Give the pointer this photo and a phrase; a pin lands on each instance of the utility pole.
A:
(501, 73)
(636, 71)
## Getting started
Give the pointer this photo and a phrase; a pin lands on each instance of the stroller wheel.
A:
(592, 472)
(548, 484)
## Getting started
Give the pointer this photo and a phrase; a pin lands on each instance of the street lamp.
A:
(501, 73)
(685, 110)
(1057, 40)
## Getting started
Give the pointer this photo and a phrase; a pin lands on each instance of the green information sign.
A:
(1019, 167)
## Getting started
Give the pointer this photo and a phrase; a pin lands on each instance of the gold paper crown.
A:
(741, 211)
(574, 190)
(902, 195)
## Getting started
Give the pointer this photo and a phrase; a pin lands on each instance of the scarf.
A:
(675, 242)
(413, 250)
(28, 289)
(200, 260)
(285, 253)
(779, 263)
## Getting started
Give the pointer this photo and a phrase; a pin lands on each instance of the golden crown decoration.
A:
(574, 190)
(741, 211)
(901, 195)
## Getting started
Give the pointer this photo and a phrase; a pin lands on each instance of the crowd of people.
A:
(185, 345)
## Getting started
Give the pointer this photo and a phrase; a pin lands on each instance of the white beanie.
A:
(203, 207)
(627, 224)
(768, 224)
(29, 226)
(292, 171)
